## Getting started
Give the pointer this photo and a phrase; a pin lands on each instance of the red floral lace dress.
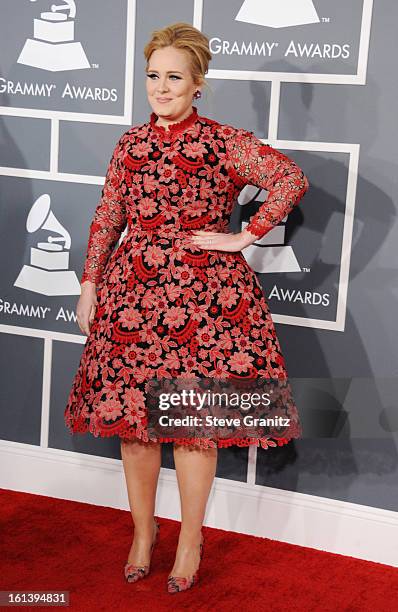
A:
(166, 309)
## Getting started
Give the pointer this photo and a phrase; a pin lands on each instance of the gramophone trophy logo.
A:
(53, 46)
(278, 256)
(278, 13)
(48, 271)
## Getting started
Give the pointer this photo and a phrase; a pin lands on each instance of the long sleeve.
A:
(260, 164)
(109, 219)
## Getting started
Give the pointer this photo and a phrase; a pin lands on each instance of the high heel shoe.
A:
(176, 584)
(133, 572)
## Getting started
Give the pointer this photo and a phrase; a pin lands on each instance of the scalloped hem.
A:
(205, 443)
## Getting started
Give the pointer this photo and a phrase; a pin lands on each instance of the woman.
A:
(177, 296)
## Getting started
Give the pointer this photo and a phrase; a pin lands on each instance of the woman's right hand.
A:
(86, 306)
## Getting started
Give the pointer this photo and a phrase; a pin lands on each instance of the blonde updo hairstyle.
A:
(183, 36)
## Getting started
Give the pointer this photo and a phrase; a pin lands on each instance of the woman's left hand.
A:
(220, 241)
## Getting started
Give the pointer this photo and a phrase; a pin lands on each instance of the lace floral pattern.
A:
(166, 307)
(109, 219)
(261, 165)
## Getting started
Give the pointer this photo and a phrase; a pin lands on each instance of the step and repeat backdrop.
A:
(312, 78)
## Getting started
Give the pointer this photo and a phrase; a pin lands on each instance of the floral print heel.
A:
(133, 572)
(175, 584)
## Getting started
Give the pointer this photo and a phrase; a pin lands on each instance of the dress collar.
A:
(174, 128)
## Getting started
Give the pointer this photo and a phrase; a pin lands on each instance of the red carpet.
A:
(52, 544)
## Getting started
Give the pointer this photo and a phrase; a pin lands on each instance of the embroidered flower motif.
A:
(194, 149)
(141, 149)
(130, 318)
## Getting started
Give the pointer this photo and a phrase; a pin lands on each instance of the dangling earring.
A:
(197, 94)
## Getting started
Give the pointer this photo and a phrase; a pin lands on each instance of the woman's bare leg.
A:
(141, 464)
(195, 470)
